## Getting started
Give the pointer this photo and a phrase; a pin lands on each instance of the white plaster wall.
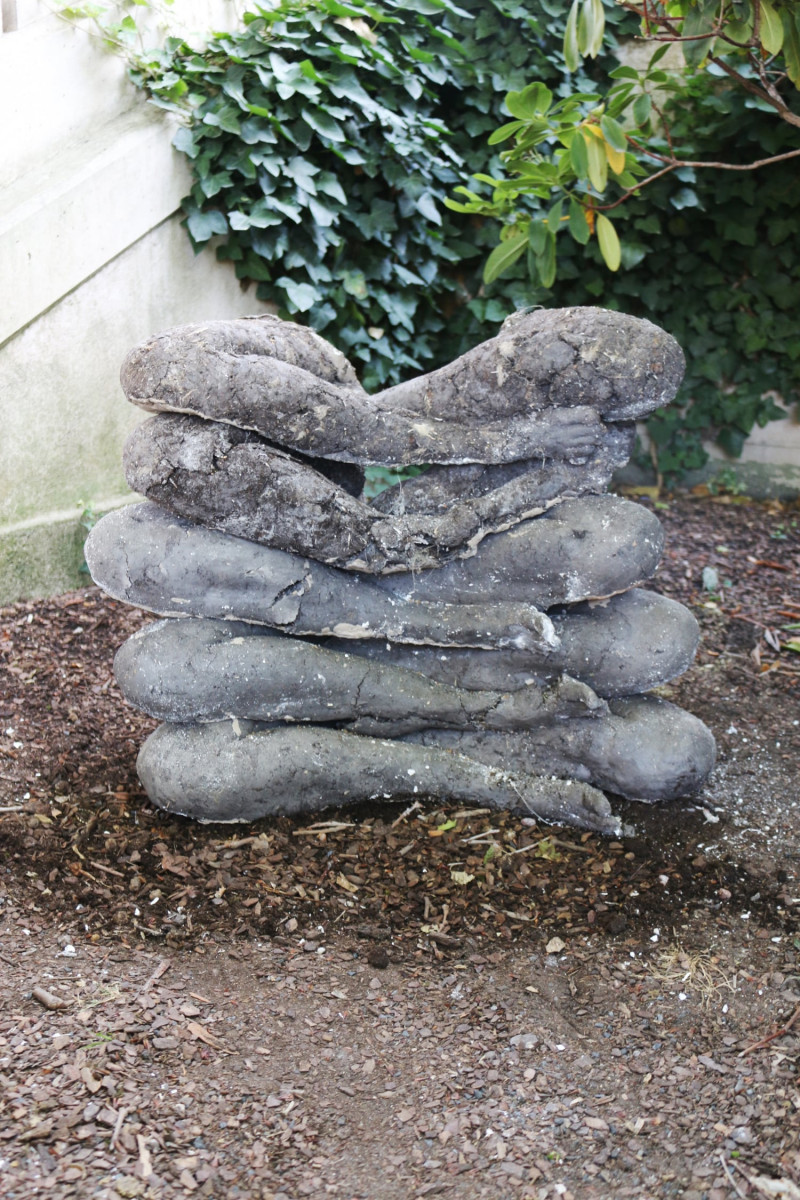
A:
(92, 260)
(62, 411)
(777, 442)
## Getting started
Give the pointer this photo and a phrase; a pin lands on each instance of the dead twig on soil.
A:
(412, 808)
(730, 1178)
(773, 1036)
(48, 1000)
(121, 1115)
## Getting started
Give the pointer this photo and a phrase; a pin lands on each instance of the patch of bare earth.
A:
(387, 1004)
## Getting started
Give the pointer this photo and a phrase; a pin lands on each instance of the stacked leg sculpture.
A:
(478, 633)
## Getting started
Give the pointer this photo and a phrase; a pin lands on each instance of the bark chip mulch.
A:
(396, 1002)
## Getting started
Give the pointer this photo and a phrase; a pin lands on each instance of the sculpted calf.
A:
(237, 771)
(197, 670)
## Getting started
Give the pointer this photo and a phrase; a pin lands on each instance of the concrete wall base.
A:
(44, 556)
(760, 481)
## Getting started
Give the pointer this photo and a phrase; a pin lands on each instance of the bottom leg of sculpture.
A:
(646, 749)
(237, 771)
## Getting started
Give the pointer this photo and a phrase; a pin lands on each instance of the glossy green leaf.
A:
(537, 236)
(503, 256)
(546, 262)
(701, 18)
(614, 133)
(578, 225)
(598, 163)
(657, 55)
(554, 217)
(505, 132)
(591, 25)
(791, 47)
(624, 73)
(530, 102)
(579, 156)
(642, 107)
(608, 241)
(771, 29)
(571, 50)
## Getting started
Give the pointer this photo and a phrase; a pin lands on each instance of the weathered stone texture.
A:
(476, 633)
(541, 388)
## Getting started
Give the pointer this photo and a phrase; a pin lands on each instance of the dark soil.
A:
(332, 1008)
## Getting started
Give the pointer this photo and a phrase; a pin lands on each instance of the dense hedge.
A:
(324, 137)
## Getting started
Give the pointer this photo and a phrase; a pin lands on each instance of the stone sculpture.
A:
(476, 633)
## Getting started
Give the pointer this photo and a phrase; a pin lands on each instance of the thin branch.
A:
(777, 103)
(772, 1036)
(664, 125)
(674, 163)
(632, 191)
(718, 166)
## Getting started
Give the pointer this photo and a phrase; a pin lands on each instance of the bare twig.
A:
(730, 1178)
(160, 970)
(674, 163)
(412, 808)
(48, 1000)
(772, 1037)
(121, 1115)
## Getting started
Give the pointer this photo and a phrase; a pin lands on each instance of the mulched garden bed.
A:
(581, 945)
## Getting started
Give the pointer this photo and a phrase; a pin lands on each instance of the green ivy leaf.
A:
(426, 206)
(323, 124)
(203, 225)
(355, 283)
(302, 296)
(185, 143)
(685, 198)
